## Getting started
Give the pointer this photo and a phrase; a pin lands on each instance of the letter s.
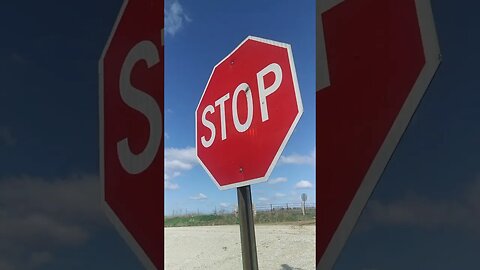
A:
(145, 104)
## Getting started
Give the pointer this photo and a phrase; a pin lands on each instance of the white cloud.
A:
(39, 217)
(263, 199)
(224, 205)
(298, 159)
(200, 196)
(419, 212)
(186, 154)
(175, 17)
(459, 212)
(178, 160)
(170, 185)
(303, 184)
(18, 59)
(277, 180)
(68, 198)
(177, 165)
(279, 195)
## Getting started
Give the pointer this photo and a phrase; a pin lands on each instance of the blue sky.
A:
(49, 212)
(198, 36)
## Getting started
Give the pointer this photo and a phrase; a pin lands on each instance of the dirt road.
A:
(279, 247)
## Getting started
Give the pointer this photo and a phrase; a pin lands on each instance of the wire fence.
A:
(272, 207)
(283, 207)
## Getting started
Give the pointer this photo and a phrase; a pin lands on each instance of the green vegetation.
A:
(293, 217)
(286, 216)
(200, 220)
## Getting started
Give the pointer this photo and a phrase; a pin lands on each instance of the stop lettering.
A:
(245, 88)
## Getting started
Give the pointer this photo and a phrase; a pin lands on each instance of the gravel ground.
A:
(279, 247)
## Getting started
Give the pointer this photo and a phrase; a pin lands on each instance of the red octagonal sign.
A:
(375, 58)
(248, 111)
(131, 128)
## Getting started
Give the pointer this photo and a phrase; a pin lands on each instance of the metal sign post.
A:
(247, 229)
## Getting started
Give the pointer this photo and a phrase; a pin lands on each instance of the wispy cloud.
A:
(39, 217)
(178, 165)
(199, 197)
(6, 137)
(263, 199)
(171, 186)
(280, 195)
(298, 159)
(224, 205)
(178, 160)
(175, 18)
(460, 212)
(277, 180)
(303, 184)
(184, 155)
(17, 58)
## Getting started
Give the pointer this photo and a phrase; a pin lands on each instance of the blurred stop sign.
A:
(375, 59)
(247, 113)
(131, 78)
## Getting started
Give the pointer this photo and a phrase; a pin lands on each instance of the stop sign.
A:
(131, 128)
(248, 111)
(375, 59)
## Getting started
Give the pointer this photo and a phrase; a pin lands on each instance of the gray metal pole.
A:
(247, 229)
